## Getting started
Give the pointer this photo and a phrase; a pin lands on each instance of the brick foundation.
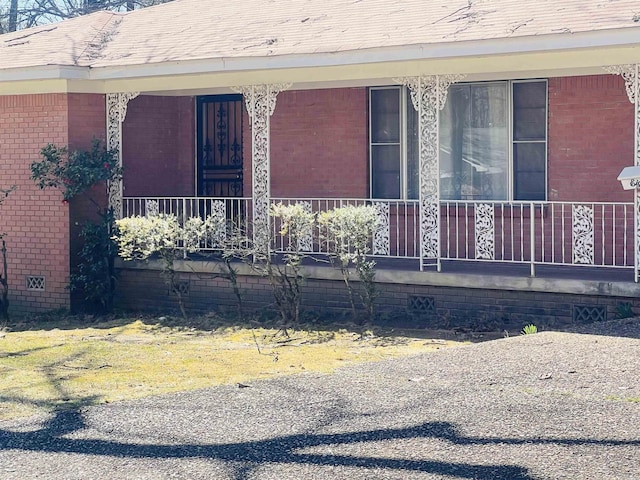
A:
(399, 304)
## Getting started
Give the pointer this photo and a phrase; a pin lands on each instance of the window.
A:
(493, 142)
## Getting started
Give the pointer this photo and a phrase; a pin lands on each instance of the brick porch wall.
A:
(452, 307)
(35, 221)
(318, 145)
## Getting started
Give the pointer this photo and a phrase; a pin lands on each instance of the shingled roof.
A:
(212, 29)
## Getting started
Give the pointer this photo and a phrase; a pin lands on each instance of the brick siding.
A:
(319, 144)
(158, 145)
(590, 138)
(35, 221)
(318, 148)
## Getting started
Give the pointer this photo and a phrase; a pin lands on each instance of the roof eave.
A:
(450, 57)
(45, 72)
(622, 37)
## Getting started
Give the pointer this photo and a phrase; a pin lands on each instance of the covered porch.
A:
(577, 220)
(533, 226)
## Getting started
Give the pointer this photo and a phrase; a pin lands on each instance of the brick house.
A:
(488, 136)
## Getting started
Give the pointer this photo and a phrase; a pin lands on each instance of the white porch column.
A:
(116, 113)
(631, 76)
(261, 103)
(428, 95)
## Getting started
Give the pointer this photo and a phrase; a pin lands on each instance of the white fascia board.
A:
(46, 72)
(525, 65)
(627, 37)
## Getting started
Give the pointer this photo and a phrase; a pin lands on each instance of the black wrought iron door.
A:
(220, 145)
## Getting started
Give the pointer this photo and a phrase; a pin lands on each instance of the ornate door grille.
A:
(220, 122)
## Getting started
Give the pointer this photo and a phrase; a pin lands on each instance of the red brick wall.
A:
(590, 138)
(319, 144)
(158, 146)
(35, 221)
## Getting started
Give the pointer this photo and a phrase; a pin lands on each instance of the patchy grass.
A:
(617, 398)
(72, 366)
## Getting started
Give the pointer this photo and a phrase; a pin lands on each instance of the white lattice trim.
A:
(116, 113)
(485, 231)
(151, 208)
(260, 101)
(381, 237)
(582, 234)
(428, 96)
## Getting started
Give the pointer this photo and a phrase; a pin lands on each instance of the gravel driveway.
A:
(545, 406)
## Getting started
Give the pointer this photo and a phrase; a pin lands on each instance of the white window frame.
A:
(405, 103)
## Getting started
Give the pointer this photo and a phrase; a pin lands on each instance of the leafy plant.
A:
(624, 310)
(348, 232)
(286, 280)
(285, 275)
(139, 238)
(76, 173)
(95, 276)
(529, 329)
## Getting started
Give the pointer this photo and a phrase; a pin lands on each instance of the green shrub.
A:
(139, 238)
(624, 310)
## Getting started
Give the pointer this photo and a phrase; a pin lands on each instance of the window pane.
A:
(529, 110)
(529, 171)
(385, 171)
(474, 142)
(385, 116)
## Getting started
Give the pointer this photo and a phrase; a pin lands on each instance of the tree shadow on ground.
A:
(251, 455)
(247, 456)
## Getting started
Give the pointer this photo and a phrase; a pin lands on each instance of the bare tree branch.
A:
(28, 13)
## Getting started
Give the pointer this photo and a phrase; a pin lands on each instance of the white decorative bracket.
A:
(631, 75)
(429, 95)
(116, 113)
(260, 101)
